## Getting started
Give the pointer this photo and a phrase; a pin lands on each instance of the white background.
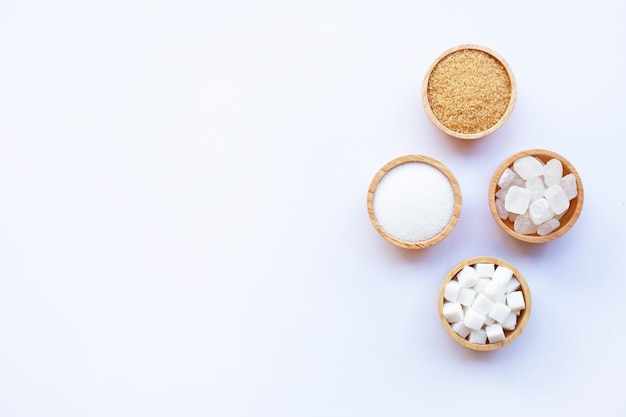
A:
(183, 223)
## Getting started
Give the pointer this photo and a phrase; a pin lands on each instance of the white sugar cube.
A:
(478, 337)
(473, 319)
(536, 187)
(502, 274)
(552, 172)
(482, 304)
(489, 321)
(481, 284)
(513, 285)
(467, 276)
(510, 322)
(466, 296)
(506, 178)
(453, 312)
(540, 211)
(524, 225)
(528, 167)
(515, 301)
(499, 312)
(461, 329)
(484, 270)
(500, 209)
(452, 290)
(494, 290)
(568, 184)
(548, 227)
(557, 198)
(517, 200)
(495, 333)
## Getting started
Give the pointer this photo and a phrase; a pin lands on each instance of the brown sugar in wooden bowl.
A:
(520, 321)
(469, 91)
(414, 201)
(567, 219)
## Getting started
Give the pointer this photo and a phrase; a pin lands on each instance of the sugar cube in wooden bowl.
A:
(469, 91)
(484, 303)
(414, 201)
(536, 195)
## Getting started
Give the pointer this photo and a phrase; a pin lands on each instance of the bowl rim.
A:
(522, 319)
(456, 189)
(507, 112)
(577, 204)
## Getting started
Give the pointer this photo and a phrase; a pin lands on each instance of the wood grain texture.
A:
(459, 135)
(522, 319)
(569, 218)
(455, 188)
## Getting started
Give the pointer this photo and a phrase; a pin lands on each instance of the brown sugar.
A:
(469, 91)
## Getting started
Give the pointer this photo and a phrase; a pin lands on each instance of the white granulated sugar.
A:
(413, 202)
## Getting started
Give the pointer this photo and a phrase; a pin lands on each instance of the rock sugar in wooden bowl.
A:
(536, 195)
(469, 92)
(414, 201)
(484, 303)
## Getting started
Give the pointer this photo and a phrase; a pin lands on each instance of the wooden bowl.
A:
(522, 319)
(455, 189)
(568, 219)
(469, 91)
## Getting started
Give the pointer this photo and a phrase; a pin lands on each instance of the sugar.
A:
(453, 312)
(517, 200)
(484, 270)
(461, 329)
(528, 167)
(466, 296)
(481, 284)
(548, 227)
(510, 322)
(568, 184)
(536, 187)
(506, 178)
(502, 275)
(501, 193)
(515, 301)
(524, 225)
(482, 304)
(513, 285)
(495, 333)
(540, 211)
(557, 199)
(473, 319)
(501, 209)
(499, 312)
(452, 290)
(413, 202)
(467, 276)
(478, 337)
(552, 172)
(494, 290)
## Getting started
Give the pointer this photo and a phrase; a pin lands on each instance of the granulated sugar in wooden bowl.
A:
(484, 303)
(414, 201)
(469, 92)
(536, 195)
